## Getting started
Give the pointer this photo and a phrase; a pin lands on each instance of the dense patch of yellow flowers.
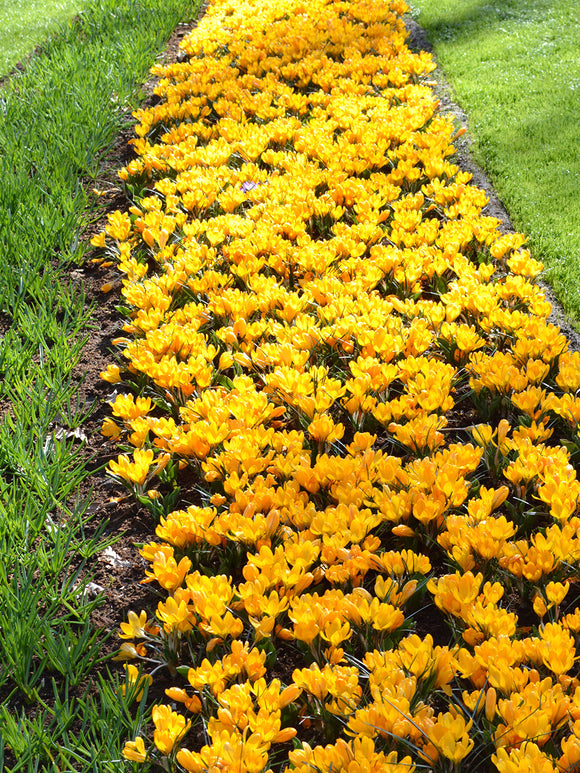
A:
(353, 363)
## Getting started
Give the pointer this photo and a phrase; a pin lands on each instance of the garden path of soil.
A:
(118, 571)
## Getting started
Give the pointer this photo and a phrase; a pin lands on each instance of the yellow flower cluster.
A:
(348, 370)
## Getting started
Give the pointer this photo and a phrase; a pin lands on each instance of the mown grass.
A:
(58, 119)
(513, 66)
(26, 23)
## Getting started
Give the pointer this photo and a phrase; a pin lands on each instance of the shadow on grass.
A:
(470, 20)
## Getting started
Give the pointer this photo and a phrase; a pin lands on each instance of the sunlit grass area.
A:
(514, 67)
(26, 23)
(58, 120)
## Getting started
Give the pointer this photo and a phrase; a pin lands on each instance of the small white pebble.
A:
(113, 558)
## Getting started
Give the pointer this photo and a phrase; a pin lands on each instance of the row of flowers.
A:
(347, 412)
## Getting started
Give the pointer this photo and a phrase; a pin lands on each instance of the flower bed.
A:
(353, 364)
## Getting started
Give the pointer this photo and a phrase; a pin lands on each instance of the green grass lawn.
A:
(26, 23)
(58, 119)
(514, 67)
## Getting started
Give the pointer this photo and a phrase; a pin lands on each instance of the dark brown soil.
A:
(118, 571)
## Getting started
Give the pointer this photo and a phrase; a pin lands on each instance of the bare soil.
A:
(118, 572)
